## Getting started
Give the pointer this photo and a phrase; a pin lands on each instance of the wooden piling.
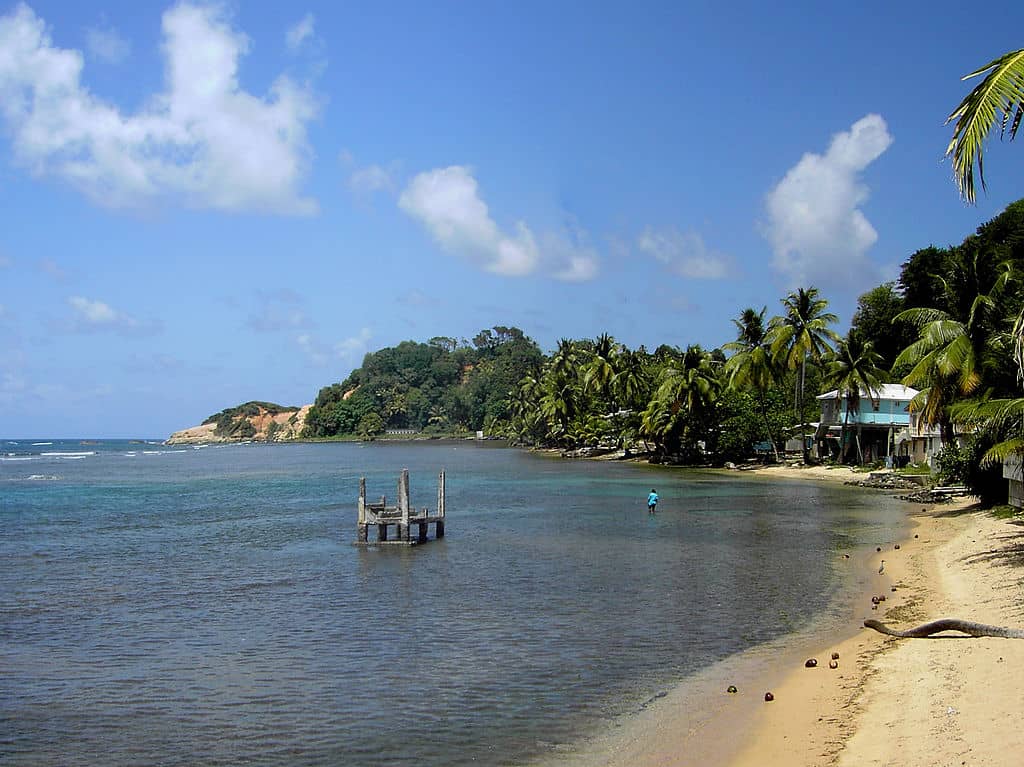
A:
(403, 516)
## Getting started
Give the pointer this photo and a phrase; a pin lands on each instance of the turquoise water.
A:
(184, 606)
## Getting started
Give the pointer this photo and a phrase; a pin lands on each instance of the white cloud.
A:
(92, 312)
(96, 316)
(299, 32)
(106, 44)
(447, 202)
(570, 261)
(684, 253)
(203, 142)
(815, 225)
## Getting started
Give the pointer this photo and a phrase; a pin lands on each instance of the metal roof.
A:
(885, 391)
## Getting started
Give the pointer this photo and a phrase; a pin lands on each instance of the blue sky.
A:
(204, 204)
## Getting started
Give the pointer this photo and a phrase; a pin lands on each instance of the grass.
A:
(915, 469)
(1005, 511)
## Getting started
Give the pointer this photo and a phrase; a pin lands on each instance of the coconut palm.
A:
(525, 420)
(631, 383)
(802, 333)
(600, 369)
(685, 394)
(998, 98)
(751, 366)
(561, 391)
(952, 353)
(1003, 419)
(854, 370)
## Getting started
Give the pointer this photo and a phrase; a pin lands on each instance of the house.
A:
(1013, 470)
(921, 442)
(883, 422)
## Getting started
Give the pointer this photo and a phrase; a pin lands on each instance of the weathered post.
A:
(403, 505)
(439, 525)
(361, 528)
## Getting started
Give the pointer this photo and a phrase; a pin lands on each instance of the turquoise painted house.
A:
(884, 419)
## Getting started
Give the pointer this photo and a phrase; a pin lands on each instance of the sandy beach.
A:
(889, 701)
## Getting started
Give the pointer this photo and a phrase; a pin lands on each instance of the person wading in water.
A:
(652, 501)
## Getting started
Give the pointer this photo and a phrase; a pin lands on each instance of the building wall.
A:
(889, 412)
(1013, 470)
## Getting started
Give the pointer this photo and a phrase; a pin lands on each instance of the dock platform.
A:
(402, 517)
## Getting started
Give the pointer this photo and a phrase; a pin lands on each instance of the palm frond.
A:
(1002, 91)
(920, 316)
(998, 453)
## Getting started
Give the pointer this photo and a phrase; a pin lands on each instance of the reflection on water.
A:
(209, 606)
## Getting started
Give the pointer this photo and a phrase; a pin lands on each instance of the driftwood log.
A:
(947, 624)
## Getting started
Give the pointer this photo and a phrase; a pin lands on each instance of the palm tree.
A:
(559, 401)
(1001, 418)
(565, 358)
(600, 370)
(854, 370)
(631, 383)
(685, 395)
(801, 334)
(525, 421)
(952, 352)
(752, 366)
(997, 98)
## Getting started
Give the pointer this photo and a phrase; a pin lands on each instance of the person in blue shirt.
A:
(652, 501)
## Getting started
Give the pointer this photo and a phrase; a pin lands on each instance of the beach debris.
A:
(874, 600)
(835, 656)
(881, 567)
(946, 624)
(768, 697)
(811, 662)
(731, 688)
(833, 664)
(893, 588)
(879, 548)
(897, 547)
(881, 597)
(885, 482)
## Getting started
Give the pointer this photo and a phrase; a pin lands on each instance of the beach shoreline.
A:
(906, 701)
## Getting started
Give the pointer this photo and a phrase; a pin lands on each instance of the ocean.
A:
(185, 605)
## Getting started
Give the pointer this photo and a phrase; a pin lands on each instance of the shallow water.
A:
(181, 606)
